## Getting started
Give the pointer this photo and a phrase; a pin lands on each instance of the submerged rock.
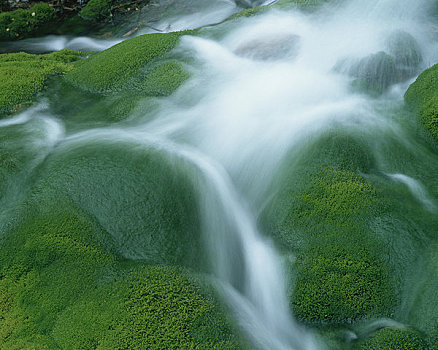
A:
(375, 72)
(406, 53)
(270, 48)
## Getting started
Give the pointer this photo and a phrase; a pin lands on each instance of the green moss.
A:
(64, 282)
(23, 75)
(395, 339)
(21, 23)
(142, 197)
(153, 307)
(163, 79)
(422, 95)
(301, 4)
(250, 12)
(322, 213)
(115, 68)
(96, 9)
(340, 278)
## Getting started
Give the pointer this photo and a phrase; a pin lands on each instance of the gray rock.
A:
(406, 52)
(269, 49)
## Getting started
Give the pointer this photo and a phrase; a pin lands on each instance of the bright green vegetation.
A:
(163, 79)
(340, 278)
(301, 4)
(21, 23)
(65, 282)
(120, 67)
(23, 75)
(395, 339)
(104, 9)
(321, 214)
(96, 9)
(422, 95)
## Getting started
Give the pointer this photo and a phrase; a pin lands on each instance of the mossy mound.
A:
(107, 9)
(340, 277)
(64, 278)
(422, 96)
(23, 75)
(142, 197)
(162, 80)
(120, 67)
(61, 288)
(322, 213)
(96, 9)
(21, 23)
(79, 108)
(395, 339)
(153, 307)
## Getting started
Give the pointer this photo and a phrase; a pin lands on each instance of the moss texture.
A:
(162, 79)
(23, 75)
(340, 278)
(119, 67)
(322, 215)
(96, 9)
(21, 23)
(395, 339)
(306, 5)
(65, 281)
(422, 95)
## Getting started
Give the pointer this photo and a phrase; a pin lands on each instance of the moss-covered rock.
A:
(321, 213)
(107, 9)
(142, 197)
(306, 5)
(152, 307)
(393, 338)
(162, 80)
(121, 66)
(422, 96)
(64, 278)
(23, 75)
(340, 278)
(96, 9)
(20, 23)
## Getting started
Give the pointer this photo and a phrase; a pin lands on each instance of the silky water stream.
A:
(260, 90)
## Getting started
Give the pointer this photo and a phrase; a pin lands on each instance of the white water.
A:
(417, 190)
(239, 116)
(250, 112)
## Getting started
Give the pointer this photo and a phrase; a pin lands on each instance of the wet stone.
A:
(269, 49)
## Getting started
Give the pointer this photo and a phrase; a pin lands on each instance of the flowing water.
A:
(261, 90)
